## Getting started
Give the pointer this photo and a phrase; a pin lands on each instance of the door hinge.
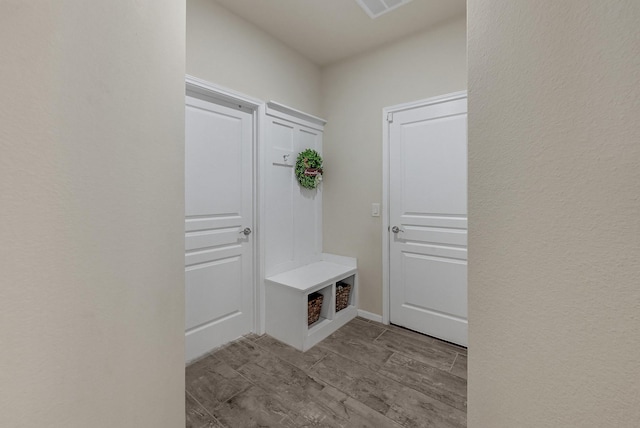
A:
(390, 117)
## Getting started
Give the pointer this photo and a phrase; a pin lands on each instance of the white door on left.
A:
(218, 223)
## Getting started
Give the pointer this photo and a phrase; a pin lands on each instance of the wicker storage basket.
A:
(315, 305)
(342, 295)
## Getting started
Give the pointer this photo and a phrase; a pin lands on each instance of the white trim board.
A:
(385, 186)
(369, 315)
(220, 93)
(209, 89)
(289, 113)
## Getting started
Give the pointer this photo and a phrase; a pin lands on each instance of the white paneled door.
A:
(428, 218)
(218, 224)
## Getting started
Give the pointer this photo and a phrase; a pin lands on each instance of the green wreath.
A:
(309, 169)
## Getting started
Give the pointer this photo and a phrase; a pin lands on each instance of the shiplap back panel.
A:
(293, 214)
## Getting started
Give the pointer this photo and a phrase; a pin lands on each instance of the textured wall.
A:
(354, 92)
(91, 214)
(229, 51)
(554, 213)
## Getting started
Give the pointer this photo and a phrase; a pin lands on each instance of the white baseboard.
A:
(369, 315)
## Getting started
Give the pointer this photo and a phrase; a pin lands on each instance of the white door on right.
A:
(428, 218)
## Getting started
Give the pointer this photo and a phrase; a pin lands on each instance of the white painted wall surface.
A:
(229, 51)
(91, 214)
(554, 213)
(354, 93)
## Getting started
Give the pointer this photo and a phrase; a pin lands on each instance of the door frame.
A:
(217, 92)
(387, 113)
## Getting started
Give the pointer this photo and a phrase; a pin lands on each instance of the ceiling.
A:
(326, 31)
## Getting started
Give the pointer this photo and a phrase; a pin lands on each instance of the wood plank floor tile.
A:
(441, 344)
(302, 360)
(437, 343)
(309, 402)
(348, 412)
(197, 416)
(460, 366)
(419, 348)
(414, 409)
(358, 381)
(431, 381)
(361, 330)
(315, 414)
(254, 407)
(355, 341)
(364, 375)
(239, 352)
(297, 390)
(406, 332)
(289, 382)
(211, 381)
(356, 349)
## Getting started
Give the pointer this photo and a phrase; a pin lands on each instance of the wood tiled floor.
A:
(364, 375)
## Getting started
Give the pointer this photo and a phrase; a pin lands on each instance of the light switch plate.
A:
(375, 210)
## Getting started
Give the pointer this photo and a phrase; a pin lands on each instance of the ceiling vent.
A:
(375, 8)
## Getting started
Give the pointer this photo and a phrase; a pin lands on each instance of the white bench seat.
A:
(287, 300)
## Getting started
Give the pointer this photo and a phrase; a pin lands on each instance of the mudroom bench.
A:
(287, 295)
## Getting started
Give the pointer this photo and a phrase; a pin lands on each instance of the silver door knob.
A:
(396, 229)
(246, 231)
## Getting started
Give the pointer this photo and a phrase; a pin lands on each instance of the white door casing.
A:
(427, 195)
(219, 185)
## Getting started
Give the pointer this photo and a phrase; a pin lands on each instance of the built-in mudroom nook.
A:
(308, 294)
(325, 216)
(253, 225)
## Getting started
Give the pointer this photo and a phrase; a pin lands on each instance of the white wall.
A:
(229, 51)
(554, 213)
(354, 93)
(91, 217)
